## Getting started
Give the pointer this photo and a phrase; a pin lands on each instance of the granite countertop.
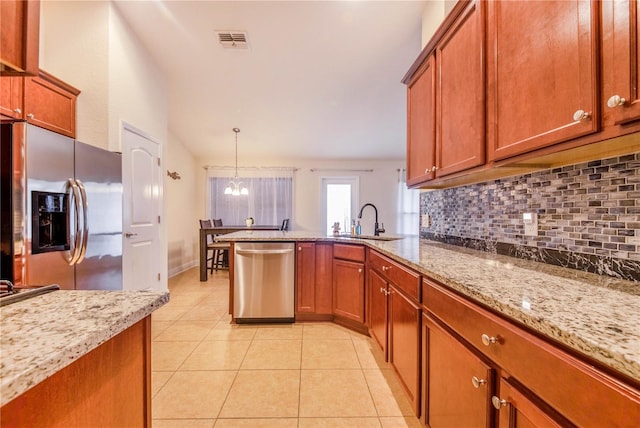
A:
(596, 315)
(42, 335)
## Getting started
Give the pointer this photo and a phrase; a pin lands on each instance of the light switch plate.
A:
(530, 224)
(425, 220)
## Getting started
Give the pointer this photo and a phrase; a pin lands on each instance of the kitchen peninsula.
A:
(78, 358)
(550, 331)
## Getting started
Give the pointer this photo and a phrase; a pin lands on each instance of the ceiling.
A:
(320, 79)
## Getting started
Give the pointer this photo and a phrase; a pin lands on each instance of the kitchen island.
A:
(520, 330)
(77, 358)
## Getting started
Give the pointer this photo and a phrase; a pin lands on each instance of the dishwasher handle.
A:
(249, 252)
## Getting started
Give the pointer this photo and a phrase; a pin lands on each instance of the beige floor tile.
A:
(217, 355)
(183, 423)
(203, 312)
(369, 354)
(324, 331)
(169, 312)
(186, 330)
(263, 394)
(193, 395)
(388, 397)
(158, 379)
(257, 423)
(223, 331)
(329, 354)
(286, 331)
(400, 422)
(158, 327)
(273, 354)
(168, 356)
(334, 393)
(339, 423)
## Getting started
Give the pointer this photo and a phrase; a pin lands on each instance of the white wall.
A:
(432, 16)
(378, 187)
(88, 45)
(181, 196)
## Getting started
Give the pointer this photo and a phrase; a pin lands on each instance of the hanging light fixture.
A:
(235, 186)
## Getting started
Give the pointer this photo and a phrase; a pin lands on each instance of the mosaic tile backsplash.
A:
(588, 216)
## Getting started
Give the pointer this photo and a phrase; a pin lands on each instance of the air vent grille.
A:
(233, 39)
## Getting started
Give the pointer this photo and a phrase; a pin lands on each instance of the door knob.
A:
(615, 101)
(129, 234)
(580, 115)
(497, 402)
(477, 382)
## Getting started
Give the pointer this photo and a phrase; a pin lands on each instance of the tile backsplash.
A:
(588, 216)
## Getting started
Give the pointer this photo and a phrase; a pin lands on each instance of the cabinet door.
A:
(517, 411)
(458, 385)
(50, 103)
(460, 133)
(19, 44)
(11, 91)
(621, 61)
(348, 290)
(404, 347)
(324, 276)
(378, 310)
(305, 277)
(421, 124)
(542, 68)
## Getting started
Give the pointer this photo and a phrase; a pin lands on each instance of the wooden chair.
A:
(285, 224)
(215, 250)
(222, 259)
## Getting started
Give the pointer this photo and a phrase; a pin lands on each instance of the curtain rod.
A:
(277, 168)
(339, 170)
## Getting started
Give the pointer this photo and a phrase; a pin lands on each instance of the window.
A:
(408, 207)
(270, 198)
(339, 198)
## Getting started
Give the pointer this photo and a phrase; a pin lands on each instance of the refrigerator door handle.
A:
(74, 194)
(85, 224)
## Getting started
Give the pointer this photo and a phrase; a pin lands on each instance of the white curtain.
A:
(270, 198)
(408, 207)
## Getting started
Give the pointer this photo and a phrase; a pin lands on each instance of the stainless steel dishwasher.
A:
(264, 278)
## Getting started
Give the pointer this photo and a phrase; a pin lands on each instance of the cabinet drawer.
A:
(349, 252)
(578, 391)
(403, 278)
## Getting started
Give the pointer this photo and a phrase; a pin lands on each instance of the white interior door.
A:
(141, 210)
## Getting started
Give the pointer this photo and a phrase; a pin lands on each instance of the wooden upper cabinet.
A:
(50, 103)
(620, 61)
(11, 96)
(542, 71)
(460, 102)
(19, 39)
(421, 124)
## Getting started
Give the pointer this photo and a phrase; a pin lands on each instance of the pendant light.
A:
(235, 187)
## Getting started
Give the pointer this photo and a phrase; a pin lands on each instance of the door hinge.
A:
(158, 161)
(158, 277)
(158, 219)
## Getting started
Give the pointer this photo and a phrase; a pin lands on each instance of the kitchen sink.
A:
(370, 237)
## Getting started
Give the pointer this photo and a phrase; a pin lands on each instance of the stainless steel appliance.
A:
(264, 277)
(61, 211)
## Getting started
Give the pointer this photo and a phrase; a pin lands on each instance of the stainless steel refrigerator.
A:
(63, 200)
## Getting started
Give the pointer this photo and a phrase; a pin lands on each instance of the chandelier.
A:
(235, 186)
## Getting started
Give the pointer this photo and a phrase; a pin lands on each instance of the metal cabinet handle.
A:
(488, 340)
(30, 116)
(434, 168)
(17, 111)
(476, 382)
(615, 101)
(497, 402)
(299, 248)
(360, 270)
(581, 115)
(129, 234)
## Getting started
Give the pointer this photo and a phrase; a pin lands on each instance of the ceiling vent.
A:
(233, 39)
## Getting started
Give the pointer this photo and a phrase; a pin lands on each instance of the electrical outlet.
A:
(530, 224)
(425, 220)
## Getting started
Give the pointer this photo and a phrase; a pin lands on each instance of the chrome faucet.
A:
(376, 230)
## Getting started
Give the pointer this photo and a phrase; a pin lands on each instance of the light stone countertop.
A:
(596, 315)
(42, 335)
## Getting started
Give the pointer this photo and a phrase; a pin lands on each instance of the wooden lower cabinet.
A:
(108, 387)
(348, 290)
(378, 314)
(314, 271)
(459, 385)
(516, 410)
